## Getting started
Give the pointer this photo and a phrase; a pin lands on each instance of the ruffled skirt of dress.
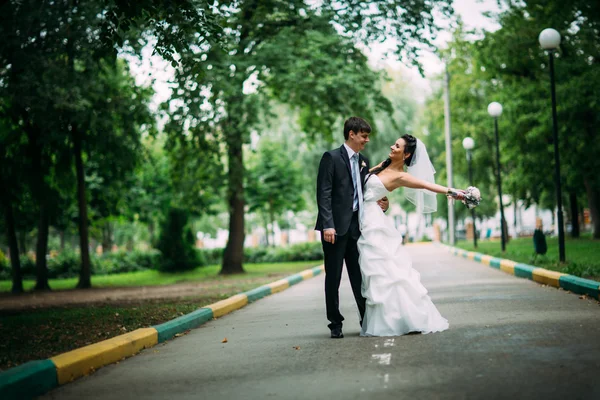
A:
(397, 302)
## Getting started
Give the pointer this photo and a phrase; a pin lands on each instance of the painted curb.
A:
(580, 285)
(258, 293)
(169, 329)
(79, 362)
(28, 380)
(541, 275)
(35, 378)
(226, 306)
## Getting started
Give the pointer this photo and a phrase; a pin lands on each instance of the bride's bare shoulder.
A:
(392, 179)
(375, 167)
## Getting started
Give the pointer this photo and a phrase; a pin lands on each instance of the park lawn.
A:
(36, 334)
(583, 255)
(153, 277)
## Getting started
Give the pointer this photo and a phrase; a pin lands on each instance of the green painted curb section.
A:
(28, 380)
(293, 279)
(524, 271)
(316, 271)
(495, 262)
(477, 256)
(258, 293)
(181, 324)
(580, 285)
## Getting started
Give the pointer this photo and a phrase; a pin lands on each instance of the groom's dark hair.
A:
(355, 124)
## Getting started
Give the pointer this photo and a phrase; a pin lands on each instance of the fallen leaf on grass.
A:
(224, 340)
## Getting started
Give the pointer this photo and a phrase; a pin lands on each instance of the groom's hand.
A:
(384, 203)
(329, 235)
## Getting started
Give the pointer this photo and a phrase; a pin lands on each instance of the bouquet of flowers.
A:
(471, 197)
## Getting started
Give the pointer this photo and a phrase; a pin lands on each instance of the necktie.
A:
(357, 183)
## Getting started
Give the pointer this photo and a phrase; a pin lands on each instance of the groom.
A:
(340, 183)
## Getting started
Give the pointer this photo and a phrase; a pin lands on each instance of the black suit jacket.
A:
(335, 190)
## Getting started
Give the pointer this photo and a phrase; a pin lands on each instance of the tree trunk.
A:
(151, 232)
(41, 267)
(593, 195)
(106, 237)
(574, 214)
(266, 222)
(272, 218)
(85, 275)
(15, 262)
(234, 250)
(61, 235)
(22, 236)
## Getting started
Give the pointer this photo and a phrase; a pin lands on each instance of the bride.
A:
(397, 302)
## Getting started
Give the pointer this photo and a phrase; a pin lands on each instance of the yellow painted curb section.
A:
(80, 362)
(508, 266)
(226, 306)
(279, 285)
(486, 259)
(470, 255)
(551, 278)
(307, 273)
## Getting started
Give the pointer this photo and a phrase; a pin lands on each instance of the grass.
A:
(35, 334)
(152, 277)
(583, 255)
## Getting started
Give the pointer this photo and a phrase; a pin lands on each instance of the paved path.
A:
(509, 338)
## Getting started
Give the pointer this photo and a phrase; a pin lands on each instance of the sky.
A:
(469, 10)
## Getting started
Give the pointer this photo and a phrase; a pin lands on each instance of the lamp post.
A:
(550, 40)
(468, 144)
(495, 110)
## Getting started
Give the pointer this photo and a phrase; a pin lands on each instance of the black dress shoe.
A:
(336, 333)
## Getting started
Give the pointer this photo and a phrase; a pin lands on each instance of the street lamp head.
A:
(549, 39)
(468, 143)
(495, 109)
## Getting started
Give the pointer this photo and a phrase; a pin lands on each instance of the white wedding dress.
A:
(397, 302)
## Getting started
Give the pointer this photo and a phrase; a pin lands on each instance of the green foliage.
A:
(274, 182)
(131, 261)
(65, 265)
(176, 243)
(310, 251)
(212, 256)
(296, 252)
(516, 73)
(5, 268)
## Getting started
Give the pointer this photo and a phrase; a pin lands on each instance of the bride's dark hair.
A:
(410, 147)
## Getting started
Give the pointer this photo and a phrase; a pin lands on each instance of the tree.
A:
(176, 243)
(274, 182)
(520, 70)
(302, 55)
(11, 183)
(60, 76)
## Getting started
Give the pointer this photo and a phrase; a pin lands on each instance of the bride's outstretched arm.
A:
(407, 180)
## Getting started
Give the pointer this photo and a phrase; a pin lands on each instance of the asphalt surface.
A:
(509, 338)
